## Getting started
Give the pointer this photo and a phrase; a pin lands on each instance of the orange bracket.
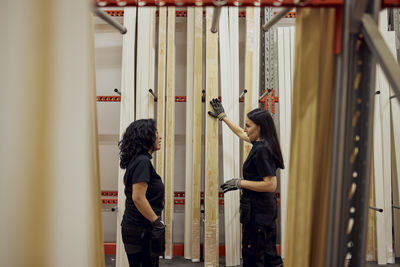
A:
(274, 99)
(288, 15)
(109, 193)
(265, 100)
(108, 98)
(109, 201)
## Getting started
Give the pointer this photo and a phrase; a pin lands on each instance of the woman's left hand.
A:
(232, 184)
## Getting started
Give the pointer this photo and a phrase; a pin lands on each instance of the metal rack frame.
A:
(361, 47)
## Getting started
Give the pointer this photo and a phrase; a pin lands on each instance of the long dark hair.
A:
(268, 134)
(138, 139)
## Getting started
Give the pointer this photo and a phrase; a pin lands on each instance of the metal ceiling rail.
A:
(276, 18)
(381, 52)
(258, 3)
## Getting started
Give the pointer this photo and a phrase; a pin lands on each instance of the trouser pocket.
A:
(133, 239)
(158, 241)
(264, 219)
(245, 211)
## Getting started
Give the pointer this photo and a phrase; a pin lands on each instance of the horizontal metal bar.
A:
(107, 18)
(381, 52)
(276, 18)
(396, 207)
(243, 93)
(376, 209)
(153, 94)
(264, 94)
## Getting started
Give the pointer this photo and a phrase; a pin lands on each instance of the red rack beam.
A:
(183, 13)
(263, 3)
(108, 98)
(272, 3)
(177, 99)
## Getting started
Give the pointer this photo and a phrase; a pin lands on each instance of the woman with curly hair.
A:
(143, 232)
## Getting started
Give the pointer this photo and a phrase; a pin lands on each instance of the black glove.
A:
(232, 184)
(158, 237)
(219, 111)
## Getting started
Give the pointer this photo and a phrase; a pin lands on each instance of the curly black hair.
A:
(138, 139)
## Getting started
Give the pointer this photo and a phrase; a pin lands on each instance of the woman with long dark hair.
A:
(258, 205)
(143, 232)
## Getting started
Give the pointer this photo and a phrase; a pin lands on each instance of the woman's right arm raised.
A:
(236, 129)
(219, 113)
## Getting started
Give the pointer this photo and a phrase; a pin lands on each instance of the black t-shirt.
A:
(141, 170)
(259, 164)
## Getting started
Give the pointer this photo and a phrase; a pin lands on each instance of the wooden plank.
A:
(395, 130)
(385, 180)
(189, 133)
(161, 86)
(395, 114)
(389, 37)
(384, 98)
(152, 60)
(395, 150)
(285, 76)
(211, 158)
(248, 75)
(53, 199)
(371, 239)
(97, 224)
(197, 118)
(311, 136)
(126, 115)
(170, 134)
(387, 171)
(145, 62)
(255, 91)
(284, 129)
(228, 36)
(161, 72)
(379, 183)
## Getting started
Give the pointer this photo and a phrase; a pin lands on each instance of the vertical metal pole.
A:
(215, 19)
(269, 50)
(263, 73)
(333, 252)
(353, 121)
(396, 26)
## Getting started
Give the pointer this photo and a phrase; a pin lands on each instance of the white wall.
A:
(108, 48)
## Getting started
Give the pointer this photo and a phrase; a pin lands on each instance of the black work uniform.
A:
(258, 211)
(135, 228)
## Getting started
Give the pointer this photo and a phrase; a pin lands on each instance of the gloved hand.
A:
(232, 184)
(158, 237)
(219, 111)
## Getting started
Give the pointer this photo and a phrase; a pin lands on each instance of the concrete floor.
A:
(181, 262)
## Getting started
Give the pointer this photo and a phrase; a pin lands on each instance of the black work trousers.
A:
(142, 259)
(137, 242)
(259, 245)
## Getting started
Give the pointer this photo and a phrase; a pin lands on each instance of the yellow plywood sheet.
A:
(311, 138)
